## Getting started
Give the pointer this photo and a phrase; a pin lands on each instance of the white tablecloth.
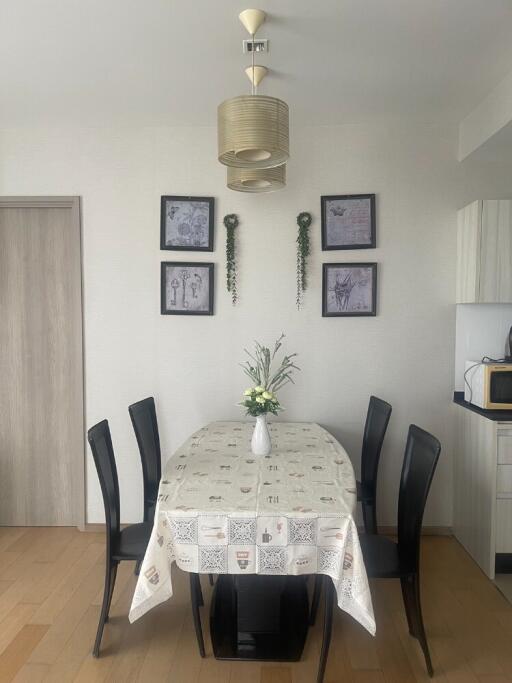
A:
(222, 509)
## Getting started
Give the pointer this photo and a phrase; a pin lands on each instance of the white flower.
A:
(259, 399)
(248, 392)
(266, 395)
(259, 390)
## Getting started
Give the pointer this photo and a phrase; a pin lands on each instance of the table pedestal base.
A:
(274, 608)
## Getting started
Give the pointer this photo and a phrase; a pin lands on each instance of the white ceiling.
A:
(164, 62)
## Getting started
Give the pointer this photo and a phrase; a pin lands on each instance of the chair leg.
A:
(112, 584)
(417, 618)
(200, 599)
(317, 591)
(326, 641)
(210, 579)
(194, 580)
(138, 565)
(407, 589)
(105, 605)
(369, 516)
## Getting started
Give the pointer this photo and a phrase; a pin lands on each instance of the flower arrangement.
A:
(261, 399)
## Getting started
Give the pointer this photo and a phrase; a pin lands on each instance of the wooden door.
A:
(41, 363)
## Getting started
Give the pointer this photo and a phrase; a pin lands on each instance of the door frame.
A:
(73, 203)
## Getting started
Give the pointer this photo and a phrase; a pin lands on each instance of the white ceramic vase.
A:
(260, 442)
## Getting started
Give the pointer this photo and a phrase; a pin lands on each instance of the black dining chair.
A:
(145, 426)
(385, 559)
(130, 542)
(377, 420)
(126, 544)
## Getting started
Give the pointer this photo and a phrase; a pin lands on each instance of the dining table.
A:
(262, 524)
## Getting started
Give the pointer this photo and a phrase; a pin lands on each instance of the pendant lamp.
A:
(256, 179)
(253, 130)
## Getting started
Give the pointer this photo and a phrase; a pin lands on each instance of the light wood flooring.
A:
(50, 592)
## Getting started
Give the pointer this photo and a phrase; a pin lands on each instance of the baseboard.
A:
(98, 528)
(425, 531)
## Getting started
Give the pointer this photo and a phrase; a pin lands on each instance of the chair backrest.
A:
(103, 453)
(143, 416)
(377, 419)
(420, 460)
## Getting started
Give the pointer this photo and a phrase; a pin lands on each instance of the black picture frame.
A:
(327, 312)
(167, 244)
(189, 265)
(327, 244)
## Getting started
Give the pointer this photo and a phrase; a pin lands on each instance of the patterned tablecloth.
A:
(222, 509)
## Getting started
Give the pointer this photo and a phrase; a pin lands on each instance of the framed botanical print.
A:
(348, 221)
(186, 223)
(349, 289)
(186, 288)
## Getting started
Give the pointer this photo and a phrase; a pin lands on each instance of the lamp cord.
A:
(253, 88)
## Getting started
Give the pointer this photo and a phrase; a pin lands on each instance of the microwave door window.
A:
(501, 387)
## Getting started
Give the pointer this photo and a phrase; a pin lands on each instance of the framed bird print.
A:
(186, 223)
(348, 221)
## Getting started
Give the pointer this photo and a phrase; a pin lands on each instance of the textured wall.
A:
(189, 364)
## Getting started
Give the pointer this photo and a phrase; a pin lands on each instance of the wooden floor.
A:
(51, 587)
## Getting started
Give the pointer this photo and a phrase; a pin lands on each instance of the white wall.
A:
(481, 330)
(489, 117)
(189, 364)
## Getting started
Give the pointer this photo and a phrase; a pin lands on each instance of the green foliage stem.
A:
(304, 220)
(231, 223)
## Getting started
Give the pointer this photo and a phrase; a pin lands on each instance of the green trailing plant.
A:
(231, 223)
(304, 220)
(261, 399)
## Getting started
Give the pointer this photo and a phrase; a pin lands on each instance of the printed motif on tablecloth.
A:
(242, 531)
(213, 530)
(329, 562)
(187, 557)
(302, 531)
(241, 559)
(184, 530)
(213, 560)
(271, 560)
(272, 531)
(302, 559)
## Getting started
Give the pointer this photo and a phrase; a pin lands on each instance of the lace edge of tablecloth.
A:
(164, 593)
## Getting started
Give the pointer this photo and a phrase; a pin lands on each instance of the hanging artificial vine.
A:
(303, 221)
(231, 223)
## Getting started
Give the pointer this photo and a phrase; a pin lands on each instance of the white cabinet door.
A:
(468, 248)
(496, 252)
(475, 487)
(484, 252)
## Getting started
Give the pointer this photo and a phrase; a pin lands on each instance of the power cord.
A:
(485, 359)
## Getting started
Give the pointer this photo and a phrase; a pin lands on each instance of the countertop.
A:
(495, 415)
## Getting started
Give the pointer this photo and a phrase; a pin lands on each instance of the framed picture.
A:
(348, 221)
(186, 223)
(349, 289)
(186, 288)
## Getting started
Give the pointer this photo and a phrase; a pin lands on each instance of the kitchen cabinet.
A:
(484, 252)
(483, 487)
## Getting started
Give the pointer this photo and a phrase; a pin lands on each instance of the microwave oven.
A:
(488, 385)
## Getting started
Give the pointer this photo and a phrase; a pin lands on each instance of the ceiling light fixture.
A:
(256, 179)
(253, 130)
